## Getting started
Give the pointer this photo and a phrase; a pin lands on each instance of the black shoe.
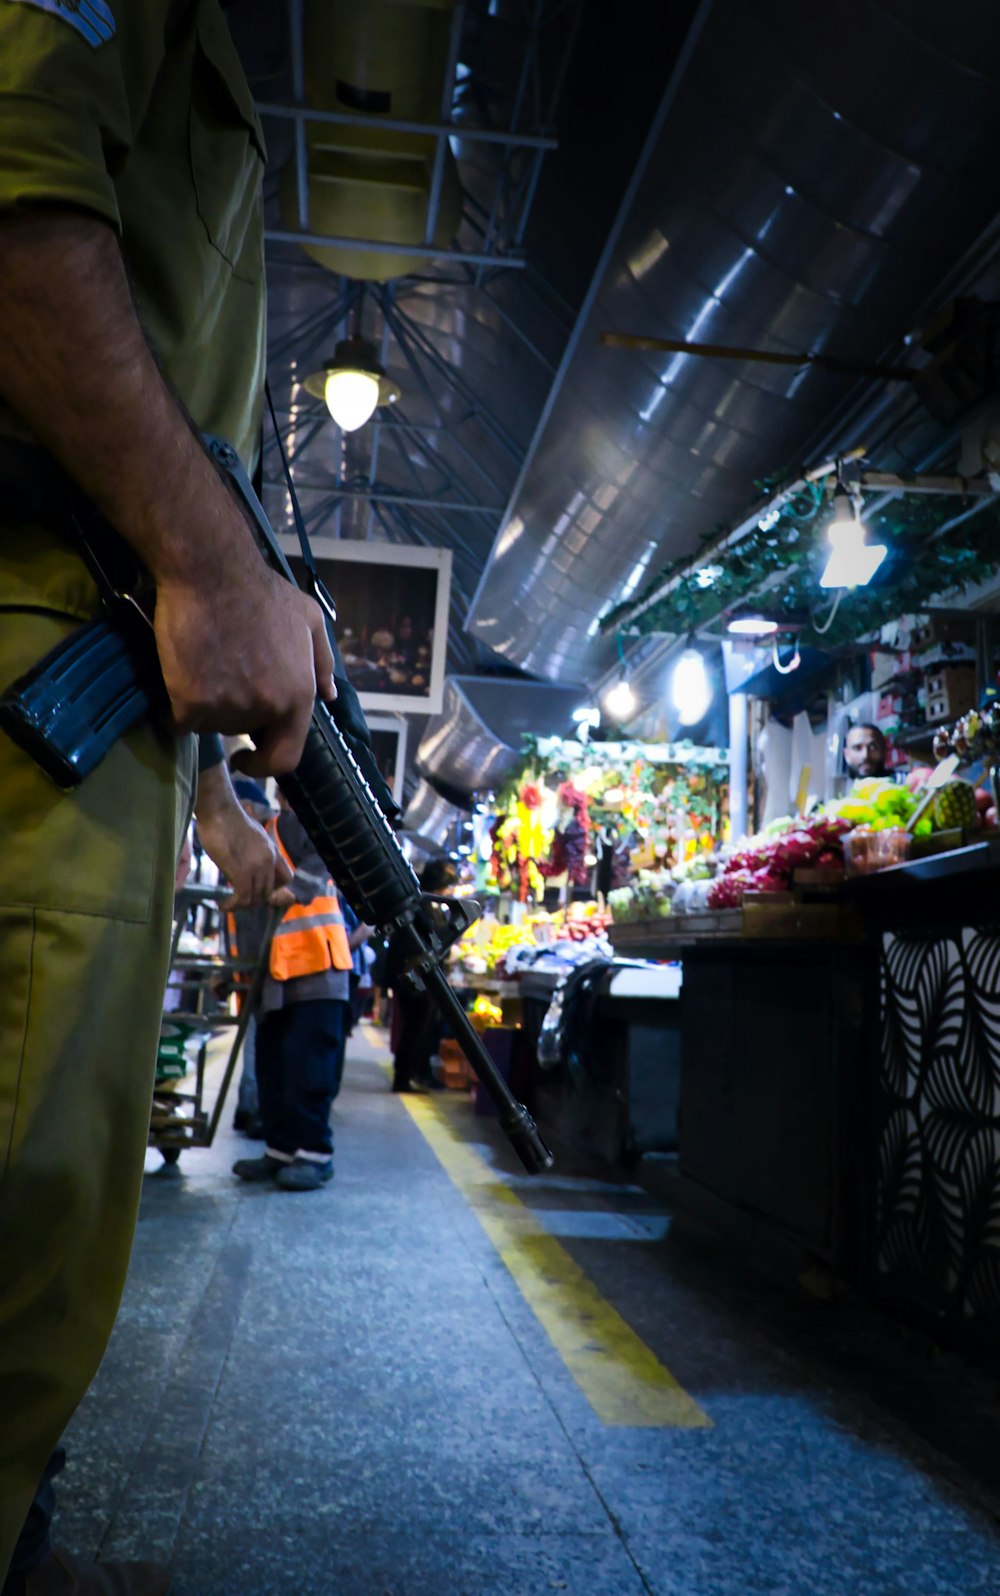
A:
(402, 1085)
(304, 1174)
(263, 1168)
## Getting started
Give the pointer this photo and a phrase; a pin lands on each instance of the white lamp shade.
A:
(751, 626)
(351, 397)
(587, 715)
(691, 689)
(853, 562)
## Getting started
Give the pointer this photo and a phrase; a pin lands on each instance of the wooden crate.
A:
(794, 921)
(951, 691)
(455, 1068)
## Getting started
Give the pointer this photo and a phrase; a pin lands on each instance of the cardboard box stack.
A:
(944, 650)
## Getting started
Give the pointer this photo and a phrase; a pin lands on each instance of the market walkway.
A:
(350, 1393)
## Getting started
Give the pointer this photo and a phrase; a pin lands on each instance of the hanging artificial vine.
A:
(694, 769)
(782, 558)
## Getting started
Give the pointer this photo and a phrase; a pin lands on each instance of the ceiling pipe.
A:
(372, 187)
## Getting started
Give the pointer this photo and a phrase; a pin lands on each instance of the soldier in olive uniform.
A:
(130, 169)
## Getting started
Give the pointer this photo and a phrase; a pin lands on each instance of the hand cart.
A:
(179, 1116)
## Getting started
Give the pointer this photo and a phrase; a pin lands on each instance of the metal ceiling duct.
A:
(378, 60)
(476, 739)
(812, 175)
(430, 816)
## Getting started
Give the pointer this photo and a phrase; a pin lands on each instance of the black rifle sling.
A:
(347, 711)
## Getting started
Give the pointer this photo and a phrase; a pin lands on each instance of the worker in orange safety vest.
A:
(311, 936)
(303, 1008)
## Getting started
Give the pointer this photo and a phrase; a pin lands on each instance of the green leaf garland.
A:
(922, 564)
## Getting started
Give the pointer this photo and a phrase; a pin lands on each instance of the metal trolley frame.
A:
(179, 1117)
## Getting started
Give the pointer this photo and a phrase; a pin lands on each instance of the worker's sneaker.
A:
(62, 1574)
(304, 1174)
(263, 1168)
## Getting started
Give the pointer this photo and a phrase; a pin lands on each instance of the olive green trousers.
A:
(86, 889)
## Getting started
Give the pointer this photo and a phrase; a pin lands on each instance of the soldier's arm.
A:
(240, 649)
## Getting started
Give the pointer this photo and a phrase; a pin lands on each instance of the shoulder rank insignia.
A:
(92, 19)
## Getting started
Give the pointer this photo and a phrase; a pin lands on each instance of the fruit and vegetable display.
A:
(868, 825)
(975, 738)
(879, 804)
(663, 824)
(494, 950)
(647, 897)
(571, 806)
(483, 949)
(485, 1012)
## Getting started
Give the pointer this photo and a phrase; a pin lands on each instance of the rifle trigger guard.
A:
(450, 918)
(458, 913)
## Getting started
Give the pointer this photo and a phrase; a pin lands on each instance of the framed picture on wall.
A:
(389, 746)
(392, 617)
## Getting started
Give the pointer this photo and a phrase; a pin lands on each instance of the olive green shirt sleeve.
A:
(69, 110)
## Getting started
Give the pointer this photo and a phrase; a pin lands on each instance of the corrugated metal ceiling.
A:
(816, 172)
(809, 177)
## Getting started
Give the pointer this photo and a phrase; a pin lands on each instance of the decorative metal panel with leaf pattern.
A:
(938, 1187)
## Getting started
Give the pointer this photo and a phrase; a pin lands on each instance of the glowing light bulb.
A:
(351, 397)
(690, 688)
(620, 701)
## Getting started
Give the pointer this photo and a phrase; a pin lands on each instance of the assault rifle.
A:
(69, 710)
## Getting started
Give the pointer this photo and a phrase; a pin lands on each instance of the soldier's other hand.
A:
(244, 853)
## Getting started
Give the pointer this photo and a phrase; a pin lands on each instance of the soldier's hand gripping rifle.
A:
(69, 710)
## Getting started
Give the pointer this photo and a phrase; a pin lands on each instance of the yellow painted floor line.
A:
(624, 1382)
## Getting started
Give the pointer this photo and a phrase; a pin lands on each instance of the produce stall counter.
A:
(950, 864)
(832, 918)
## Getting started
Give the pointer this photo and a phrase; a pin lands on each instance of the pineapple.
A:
(954, 806)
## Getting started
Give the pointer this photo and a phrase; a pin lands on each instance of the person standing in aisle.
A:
(358, 935)
(303, 1012)
(130, 221)
(416, 1025)
(246, 928)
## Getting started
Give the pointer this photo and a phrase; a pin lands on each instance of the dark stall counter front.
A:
(771, 1032)
(616, 1096)
(840, 1082)
(933, 1243)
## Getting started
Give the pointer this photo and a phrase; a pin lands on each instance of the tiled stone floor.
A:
(344, 1394)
